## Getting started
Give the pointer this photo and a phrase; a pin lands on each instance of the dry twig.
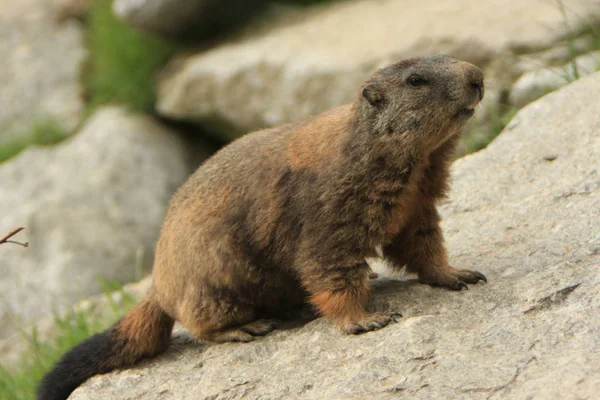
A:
(11, 234)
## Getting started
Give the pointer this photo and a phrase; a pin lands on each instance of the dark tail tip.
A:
(98, 354)
(144, 332)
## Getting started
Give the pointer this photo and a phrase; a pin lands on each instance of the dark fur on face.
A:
(286, 216)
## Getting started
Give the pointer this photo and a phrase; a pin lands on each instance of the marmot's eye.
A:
(416, 80)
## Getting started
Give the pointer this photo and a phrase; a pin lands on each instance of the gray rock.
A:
(92, 206)
(534, 84)
(177, 17)
(531, 224)
(66, 9)
(294, 65)
(41, 60)
(559, 54)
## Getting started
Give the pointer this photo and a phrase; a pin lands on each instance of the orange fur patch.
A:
(146, 330)
(316, 143)
(342, 306)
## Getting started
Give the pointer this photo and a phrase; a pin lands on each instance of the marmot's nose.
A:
(475, 79)
(478, 86)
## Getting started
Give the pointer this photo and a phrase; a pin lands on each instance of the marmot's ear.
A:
(373, 93)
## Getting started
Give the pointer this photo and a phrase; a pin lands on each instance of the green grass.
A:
(570, 43)
(573, 72)
(123, 62)
(121, 69)
(43, 132)
(482, 135)
(596, 35)
(20, 381)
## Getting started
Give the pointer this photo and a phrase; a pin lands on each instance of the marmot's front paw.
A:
(371, 322)
(455, 279)
(469, 276)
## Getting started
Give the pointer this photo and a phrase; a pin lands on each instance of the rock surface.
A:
(176, 17)
(305, 62)
(534, 84)
(41, 60)
(66, 9)
(92, 205)
(526, 212)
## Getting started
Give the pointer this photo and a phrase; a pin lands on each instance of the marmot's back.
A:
(235, 169)
(251, 168)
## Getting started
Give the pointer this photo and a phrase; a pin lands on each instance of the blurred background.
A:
(107, 106)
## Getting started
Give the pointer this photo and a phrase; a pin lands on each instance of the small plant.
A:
(480, 136)
(573, 53)
(20, 381)
(122, 62)
(112, 288)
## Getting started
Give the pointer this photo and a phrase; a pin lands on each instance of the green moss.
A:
(20, 381)
(122, 62)
(42, 132)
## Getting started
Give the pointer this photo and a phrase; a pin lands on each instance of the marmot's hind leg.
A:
(217, 316)
(260, 327)
(245, 333)
(340, 292)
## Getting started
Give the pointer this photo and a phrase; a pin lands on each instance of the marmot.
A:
(285, 216)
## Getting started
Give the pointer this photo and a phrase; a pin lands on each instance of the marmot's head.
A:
(429, 99)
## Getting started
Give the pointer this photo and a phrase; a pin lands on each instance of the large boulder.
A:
(534, 84)
(41, 60)
(185, 17)
(526, 212)
(92, 206)
(300, 63)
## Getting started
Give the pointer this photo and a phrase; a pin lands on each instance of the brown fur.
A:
(287, 215)
(145, 330)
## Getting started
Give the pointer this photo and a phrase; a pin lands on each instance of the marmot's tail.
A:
(144, 332)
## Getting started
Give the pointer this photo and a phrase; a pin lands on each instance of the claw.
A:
(373, 325)
(459, 285)
(358, 329)
(371, 322)
(481, 276)
(394, 317)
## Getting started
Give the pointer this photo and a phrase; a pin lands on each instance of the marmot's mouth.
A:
(466, 113)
